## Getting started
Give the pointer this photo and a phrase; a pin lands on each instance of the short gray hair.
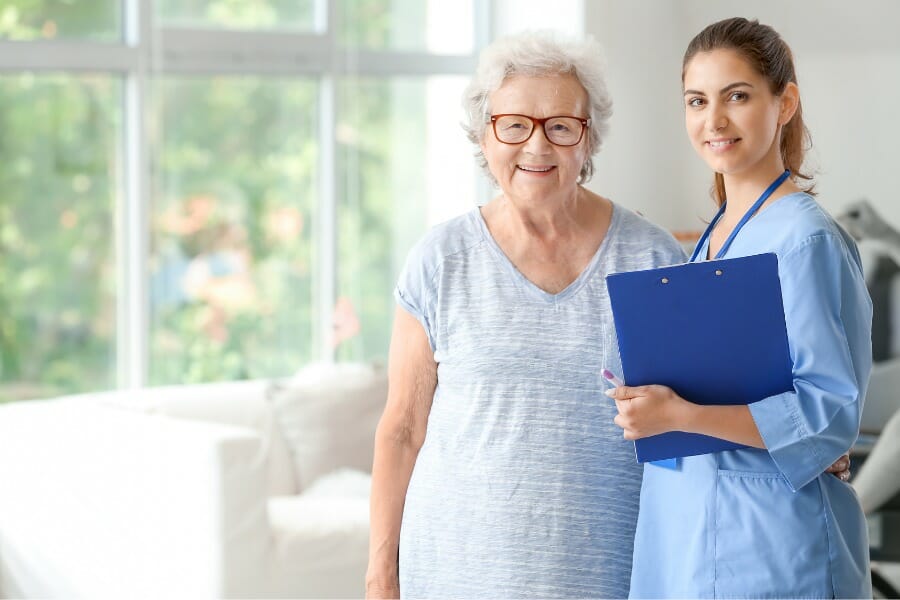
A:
(537, 54)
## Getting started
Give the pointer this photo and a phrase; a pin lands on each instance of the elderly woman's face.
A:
(536, 168)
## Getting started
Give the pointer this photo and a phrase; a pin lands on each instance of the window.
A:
(232, 243)
(218, 189)
(58, 259)
(238, 14)
(399, 152)
(99, 20)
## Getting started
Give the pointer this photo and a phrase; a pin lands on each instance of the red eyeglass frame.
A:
(585, 123)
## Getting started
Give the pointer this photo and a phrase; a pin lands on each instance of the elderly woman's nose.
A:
(538, 141)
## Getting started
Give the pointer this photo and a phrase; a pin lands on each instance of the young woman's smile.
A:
(721, 145)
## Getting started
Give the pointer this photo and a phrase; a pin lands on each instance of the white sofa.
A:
(174, 492)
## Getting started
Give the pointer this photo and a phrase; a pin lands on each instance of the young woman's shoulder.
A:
(798, 221)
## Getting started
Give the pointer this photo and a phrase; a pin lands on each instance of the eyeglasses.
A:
(560, 131)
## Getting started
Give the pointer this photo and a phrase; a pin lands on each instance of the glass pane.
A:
(434, 26)
(58, 162)
(234, 208)
(405, 165)
(50, 19)
(238, 14)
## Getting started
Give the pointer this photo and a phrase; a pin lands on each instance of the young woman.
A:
(764, 521)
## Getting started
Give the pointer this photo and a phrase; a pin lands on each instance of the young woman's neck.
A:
(743, 190)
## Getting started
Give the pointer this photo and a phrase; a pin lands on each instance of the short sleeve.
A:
(672, 254)
(415, 291)
(828, 317)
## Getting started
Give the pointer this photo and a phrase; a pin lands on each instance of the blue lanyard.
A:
(765, 196)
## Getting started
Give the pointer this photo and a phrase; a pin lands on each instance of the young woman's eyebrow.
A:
(736, 84)
(725, 89)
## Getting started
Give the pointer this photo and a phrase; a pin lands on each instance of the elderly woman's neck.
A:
(559, 216)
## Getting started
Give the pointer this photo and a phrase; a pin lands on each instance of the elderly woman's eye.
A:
(560, 127)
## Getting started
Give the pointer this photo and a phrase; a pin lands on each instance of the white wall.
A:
(641, 163)
(848, 62)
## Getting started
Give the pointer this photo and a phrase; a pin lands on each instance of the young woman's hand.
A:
(648, 410)
(653, 409)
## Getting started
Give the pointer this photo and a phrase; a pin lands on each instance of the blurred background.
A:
(205, 190)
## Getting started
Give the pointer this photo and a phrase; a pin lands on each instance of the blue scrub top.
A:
(770, 523)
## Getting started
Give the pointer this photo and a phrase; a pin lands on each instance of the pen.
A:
(610, 376)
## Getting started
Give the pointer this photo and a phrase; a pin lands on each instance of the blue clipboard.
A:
(713, 331)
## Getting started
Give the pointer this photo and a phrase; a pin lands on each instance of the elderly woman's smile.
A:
(539, 170)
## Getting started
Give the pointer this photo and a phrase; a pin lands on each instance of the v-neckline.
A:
(529, 286)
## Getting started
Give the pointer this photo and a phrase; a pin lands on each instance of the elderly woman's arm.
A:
(412, 376)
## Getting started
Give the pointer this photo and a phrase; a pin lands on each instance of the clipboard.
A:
(713, 331)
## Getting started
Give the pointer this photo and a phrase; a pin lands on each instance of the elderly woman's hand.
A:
(841, 468)
(648, 410)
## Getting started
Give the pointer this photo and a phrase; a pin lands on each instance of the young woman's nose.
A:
(716, 119)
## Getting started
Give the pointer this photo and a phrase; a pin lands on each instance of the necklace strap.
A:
(747, 216)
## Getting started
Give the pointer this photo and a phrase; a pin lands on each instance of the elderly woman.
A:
(498, 469)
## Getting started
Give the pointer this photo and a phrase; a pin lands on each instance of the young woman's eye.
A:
(695, 102)
(739, 96)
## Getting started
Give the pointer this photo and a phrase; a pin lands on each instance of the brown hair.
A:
(770, 56)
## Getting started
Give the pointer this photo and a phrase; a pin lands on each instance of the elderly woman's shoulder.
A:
(451, 237)
(639, 236)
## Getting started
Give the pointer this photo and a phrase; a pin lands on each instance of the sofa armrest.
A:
(98, 502)
(238, 403)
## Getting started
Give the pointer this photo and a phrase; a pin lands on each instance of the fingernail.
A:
(610, 392)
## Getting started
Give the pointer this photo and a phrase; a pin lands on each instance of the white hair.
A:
(538, 54)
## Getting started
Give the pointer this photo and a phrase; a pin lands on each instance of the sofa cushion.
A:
(321, 538)
(328, 413)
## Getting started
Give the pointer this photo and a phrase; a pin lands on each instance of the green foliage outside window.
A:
(58, 168)
(235, 196)
(99, 20)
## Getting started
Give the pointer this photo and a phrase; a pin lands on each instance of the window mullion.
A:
(133, 210)
(327, 226)
(206, 51)
(326, 250)
(66, 56)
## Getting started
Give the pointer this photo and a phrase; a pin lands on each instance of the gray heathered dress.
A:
(524, 486)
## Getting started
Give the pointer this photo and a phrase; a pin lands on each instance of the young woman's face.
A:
(732, 117)
(535, 169)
